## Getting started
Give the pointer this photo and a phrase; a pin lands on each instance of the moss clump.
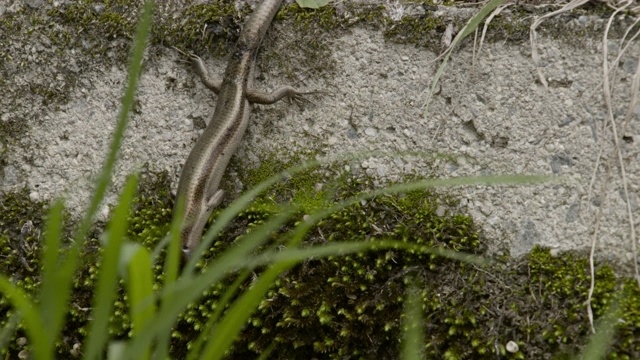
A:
(325, 17)
(307, 189)
(202, 28)
(554, 298)
(425, 31)
(627, 344)
(21, 227)
(98, 24)
(151, 210)
(352, 305)
(148, 224)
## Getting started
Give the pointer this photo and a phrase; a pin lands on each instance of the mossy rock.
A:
(352, 306)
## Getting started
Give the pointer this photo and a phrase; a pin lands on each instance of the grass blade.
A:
(235, 319)
(171, 264)
(256, 236)
(241, 310)
(600, 342)
(344, 248)
(8, 329)
(108, 277)
(135, 69)
(470, 27)
(172, 260)
(222, 304)
(413, 331)
(140, 291)
(32, 320)
(59, 278)
(54, 291)
(244, 307)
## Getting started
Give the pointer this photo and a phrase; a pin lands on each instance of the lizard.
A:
(198, 187)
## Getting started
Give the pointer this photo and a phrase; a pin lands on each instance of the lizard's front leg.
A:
(254, 96)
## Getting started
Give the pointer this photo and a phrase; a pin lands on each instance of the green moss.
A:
(148, 224)
(514, 27)
(352, 305)
(202, 28)
(420, 31)
(303, 189)
(151, 210)
(21, 226)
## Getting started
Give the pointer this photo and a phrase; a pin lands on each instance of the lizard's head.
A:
(185, 240)
(191, 235)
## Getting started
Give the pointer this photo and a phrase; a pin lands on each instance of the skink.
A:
(198, 188)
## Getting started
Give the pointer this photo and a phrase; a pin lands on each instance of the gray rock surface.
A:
(493, 115)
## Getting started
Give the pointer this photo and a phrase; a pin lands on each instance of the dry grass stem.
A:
(533, 36)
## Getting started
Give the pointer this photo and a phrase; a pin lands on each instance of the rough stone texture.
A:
(493, 115)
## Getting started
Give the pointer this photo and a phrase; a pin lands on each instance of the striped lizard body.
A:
(198, 188)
